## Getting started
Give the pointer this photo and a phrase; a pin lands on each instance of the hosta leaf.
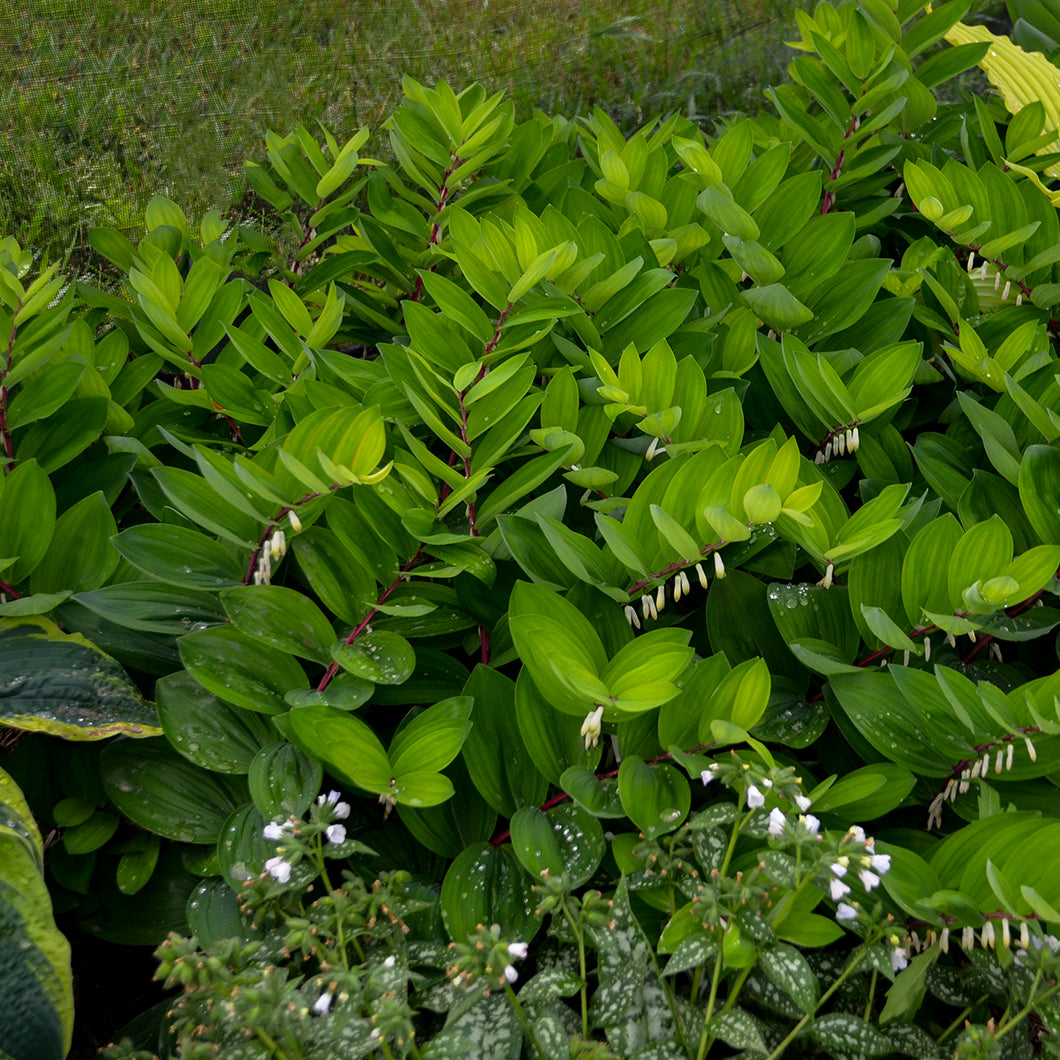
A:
(62, 684)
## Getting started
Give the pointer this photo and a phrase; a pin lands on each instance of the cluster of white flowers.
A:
(865, 862)
(591, 727)
(984, 269)
(843, 441)
(273, 549)
(279, 867)
(1002, 760)
(517, 951)
(991, 936)
(651, 603)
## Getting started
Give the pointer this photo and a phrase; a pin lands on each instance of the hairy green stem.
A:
(707, 1038)
(527, 1025)
(580, 936)
(797, 1029)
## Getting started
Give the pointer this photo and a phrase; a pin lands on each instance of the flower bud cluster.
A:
(273, 549)
(294, 836)
(486, 956)
(999, 756)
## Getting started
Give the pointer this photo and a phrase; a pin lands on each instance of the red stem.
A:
(436, 229)
(5, 434)
(829, 197)
(679, 564)
(7, 590)
(362, 625)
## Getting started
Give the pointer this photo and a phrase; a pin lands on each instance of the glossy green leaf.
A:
(163, 792)
(240, 669)
(487, 885)
(207, 730)
(62, 684)
(656, 798)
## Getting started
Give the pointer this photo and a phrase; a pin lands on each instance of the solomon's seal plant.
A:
(652, 533)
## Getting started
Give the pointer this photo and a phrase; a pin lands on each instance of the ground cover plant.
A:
(596, 599)
(105, 108)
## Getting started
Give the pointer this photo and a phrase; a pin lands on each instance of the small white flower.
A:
(944, 940)
(660, 597)
(1025, 935)
(755, 798)
(390, 962)
(296, 523)
(591, 727)
(322, 1004)
(844, 911)
(803, 802)
(810, 823)
(278, 869)
(518, 950)
(702, 575)
(1010, 754)
(881, 863)
(777, 821)
(330, 799)
(1030, 749)
(510, 973)
(336, 833)
(719, 565)
(766, 782)
(273, 831)
(631, 616)
(826, 581)
(857, 833)
(968, 938)
(709, 774)
(839, 868)
(1006, 933)
(898, 959)
(342, 811)
(838, 889)
(868, 879)
(986, 936)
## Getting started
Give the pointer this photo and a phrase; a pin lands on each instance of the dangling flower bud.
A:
(719, 570)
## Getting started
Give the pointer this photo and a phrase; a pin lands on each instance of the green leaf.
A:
(180, 556)
(907, 993)
(152, 607)
(62, 684)
(240, 669)
(163, 792)
(344, 744)
(786, 968)
(487, 885)
(1039, 486)
(433, 738)
(283, 780)
(552, 738)
(509, 779)
(207, 730)
(382, 657)
(842, 1034)
(27, 519)
(566, 841)
(38, 1014)
(656, 798)
(281, 618)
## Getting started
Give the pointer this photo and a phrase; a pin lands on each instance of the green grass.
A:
(104, 106)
